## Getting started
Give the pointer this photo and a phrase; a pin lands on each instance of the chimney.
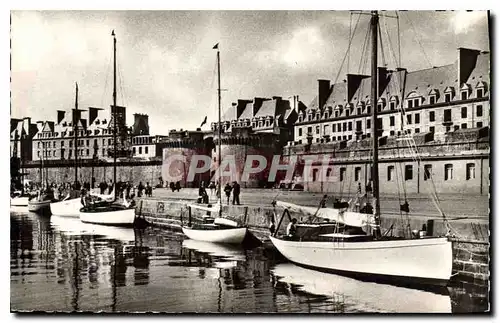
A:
(93, 113)
(467, 59)
(27, 125)
(257, 104)
(323, 92)
(60, 116)
(277, 98)
(353, 82)
(240, 107)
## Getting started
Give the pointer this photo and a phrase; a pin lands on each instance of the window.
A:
(62, 143)
(48, 144)
(344, 126)
(379, 107)
(48, 153)
(140, 150)
(479, 125)
(145, 150)
(470, 171)
(38, 153)
(358, 111)
(70, 153)
(479, 111)
(448, 172)
(133, 150)
(432, 116)
(410, 104)
(464, 95)
(54, 144)
(350, 126)
(408, 119)
(390, 173)
(392, 133)
(103, 151)
(342, 174)
(447, 97)
(392, 121)
(427, 171)
(408, 172)
(88, 153)
(357, 173)
(432, 99)
(447, 115)
(38, 144)
(368, 124)
(359, 125)
(379, 123)
(95, 142)
(309, 130)
(309, 118)
(464, 112)
(417, 130)
(479, 93)
(109, 142)
(347, 112)
(317, 130)
(392, 105)
(368, 109)
(463, 126)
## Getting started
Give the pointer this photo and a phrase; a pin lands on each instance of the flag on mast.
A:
(204, 121)
(216, 46)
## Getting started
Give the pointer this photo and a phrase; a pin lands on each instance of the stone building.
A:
(261, 126)
(178, 150)
(444, 111)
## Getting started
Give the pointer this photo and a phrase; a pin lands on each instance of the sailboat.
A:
(110, 213)
(41, 202)
(18, 197)
(71, 204)
(219, 229)
(426, 261)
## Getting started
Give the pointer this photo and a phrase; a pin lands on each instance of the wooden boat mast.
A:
(75, 126)
(219, 130)
(113, 112)
(374, 96)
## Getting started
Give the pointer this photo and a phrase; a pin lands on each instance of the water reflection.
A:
(349, 294)
(61, 264)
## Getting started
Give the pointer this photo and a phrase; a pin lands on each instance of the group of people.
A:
(235, 189)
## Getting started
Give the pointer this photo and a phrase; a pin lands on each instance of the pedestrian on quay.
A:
(178, 186)
(140, 188)
(227, 191)
(236, 193)
(128, 188)
(202, 194)
(110, 186)
(102, 186)
(212, 188)
(149, 190)
(172, 186)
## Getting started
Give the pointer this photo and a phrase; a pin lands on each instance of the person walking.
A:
(236, 193)
(227, 190)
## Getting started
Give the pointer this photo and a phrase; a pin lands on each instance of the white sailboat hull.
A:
(38, 206)
(124, 217)
(234, 236)
(69, 208)
(426, 261)
(19, 201)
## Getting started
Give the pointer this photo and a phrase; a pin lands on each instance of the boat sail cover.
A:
(351, 218)
(204, 207)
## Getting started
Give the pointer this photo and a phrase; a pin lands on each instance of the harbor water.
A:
(61, 264)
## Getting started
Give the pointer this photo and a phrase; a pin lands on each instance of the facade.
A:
(56, 140)
(145, 146)
(443, 110)
(261, 126)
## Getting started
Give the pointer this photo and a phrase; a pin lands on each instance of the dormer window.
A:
(347, 112)
(379, 107)
(432, 99)
(392, 105)
(359, 111)
(479, 93)
(309, 118)
(369, 109)
(464, 95)
(318, 115)
(336, 113)
(447, 97)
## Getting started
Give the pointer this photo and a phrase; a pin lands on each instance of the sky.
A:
(167, 67)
